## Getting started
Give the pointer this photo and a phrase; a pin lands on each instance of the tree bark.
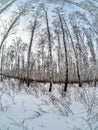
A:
(65, 48)
(29, 50)
(50, 50)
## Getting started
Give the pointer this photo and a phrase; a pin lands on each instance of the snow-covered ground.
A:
(34, 108)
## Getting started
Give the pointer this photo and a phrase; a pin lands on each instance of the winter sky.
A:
(24, 22)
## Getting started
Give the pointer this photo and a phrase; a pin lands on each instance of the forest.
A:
(61, 48)
(48, 64)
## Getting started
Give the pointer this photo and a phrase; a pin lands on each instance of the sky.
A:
(22, 30)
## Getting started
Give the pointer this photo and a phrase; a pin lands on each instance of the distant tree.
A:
(2, 61)
(92, 51)
(10, 57)
(42, 43)
(58, 40)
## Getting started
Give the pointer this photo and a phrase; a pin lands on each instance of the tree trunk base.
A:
(65, 87)
(50, 88)
(28, 83)
(95, 84)
(80, 84)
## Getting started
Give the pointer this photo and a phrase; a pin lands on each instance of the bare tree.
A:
(2, 60)
(12, 25)
(42, 53)
(87, 5)
(76, 33)
(73, 46)
(50, 48)
(57, 32)
(65, 48)
(83, 17)
(92, 51)
(5, 4)
(33, 27)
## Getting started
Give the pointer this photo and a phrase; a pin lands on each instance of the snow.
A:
(34, 108)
